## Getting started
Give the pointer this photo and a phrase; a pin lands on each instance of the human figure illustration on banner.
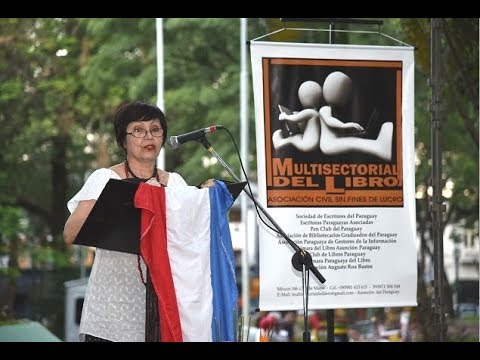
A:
(319, 128)
(306, 136)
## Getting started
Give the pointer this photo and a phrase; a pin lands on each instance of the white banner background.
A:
(365, 249)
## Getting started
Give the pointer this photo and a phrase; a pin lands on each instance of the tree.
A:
(39, 91)
(459, 59)
(61, 80)
(460, 64)
(9, 248)
(202, 68)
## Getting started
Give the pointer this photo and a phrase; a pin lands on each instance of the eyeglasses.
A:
(141, 133)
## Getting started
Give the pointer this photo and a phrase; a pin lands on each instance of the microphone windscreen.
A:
(172, 141)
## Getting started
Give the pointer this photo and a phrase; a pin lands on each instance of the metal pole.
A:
(336, 21)
(456, 253)
(436, 206)
(331, 312)
(244, 156)
(160, 77)
(331, 33)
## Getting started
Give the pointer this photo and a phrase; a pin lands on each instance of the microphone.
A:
(176, 141)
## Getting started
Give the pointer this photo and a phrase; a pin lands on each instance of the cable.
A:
(248, 182)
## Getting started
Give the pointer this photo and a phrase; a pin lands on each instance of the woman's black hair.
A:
(136, 111)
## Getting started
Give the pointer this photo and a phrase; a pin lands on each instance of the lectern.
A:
(114, 224)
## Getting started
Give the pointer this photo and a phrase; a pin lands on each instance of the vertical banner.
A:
(335, 155)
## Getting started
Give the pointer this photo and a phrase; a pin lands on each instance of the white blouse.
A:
(114, 305)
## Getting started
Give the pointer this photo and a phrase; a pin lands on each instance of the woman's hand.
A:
(207, 183)
(153, 182)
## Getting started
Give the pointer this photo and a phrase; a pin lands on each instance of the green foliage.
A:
(459, 65)
(201, 89)
(9, 222)
(47, 257)
(9, 245)
(459, 71)
(10, 273)
(10, 89)
(12, 322)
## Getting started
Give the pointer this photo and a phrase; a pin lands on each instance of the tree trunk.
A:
(7, 298)
(59, 187)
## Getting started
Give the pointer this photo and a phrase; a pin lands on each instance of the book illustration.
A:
(352, 132)
(291, 127)
(285, 110)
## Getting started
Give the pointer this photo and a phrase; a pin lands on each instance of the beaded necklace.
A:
(155, 175)
(129, 171)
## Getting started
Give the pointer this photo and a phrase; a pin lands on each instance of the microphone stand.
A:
(301, 260)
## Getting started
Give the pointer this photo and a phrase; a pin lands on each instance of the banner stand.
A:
(269, 103)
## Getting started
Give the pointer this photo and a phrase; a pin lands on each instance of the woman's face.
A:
(144, 139)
